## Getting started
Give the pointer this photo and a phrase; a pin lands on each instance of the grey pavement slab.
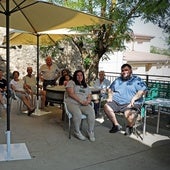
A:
(50, 148)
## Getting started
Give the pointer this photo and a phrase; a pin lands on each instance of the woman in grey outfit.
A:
(78, 99)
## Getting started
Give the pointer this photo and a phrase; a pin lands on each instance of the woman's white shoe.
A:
(91, 136)
(79, 135)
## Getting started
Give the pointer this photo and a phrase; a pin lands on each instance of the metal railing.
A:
(157, 78)
(162, 83)
(152, 81)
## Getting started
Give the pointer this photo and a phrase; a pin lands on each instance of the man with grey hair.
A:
(49, 73)
(102, 84)
(31, 84)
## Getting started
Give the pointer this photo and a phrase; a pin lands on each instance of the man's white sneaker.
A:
(79, 135)
(91, 136)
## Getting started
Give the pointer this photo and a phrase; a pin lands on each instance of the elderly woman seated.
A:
(17, 86)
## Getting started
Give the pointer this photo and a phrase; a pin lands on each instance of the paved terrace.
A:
(50, 148)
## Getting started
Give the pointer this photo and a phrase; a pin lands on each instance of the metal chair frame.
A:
(69, 116)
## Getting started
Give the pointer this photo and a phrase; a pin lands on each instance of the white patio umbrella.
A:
(35, 16)
(25, 38)
(17, 37)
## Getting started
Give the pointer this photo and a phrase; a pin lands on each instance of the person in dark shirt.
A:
(3, 87)
(64, 72)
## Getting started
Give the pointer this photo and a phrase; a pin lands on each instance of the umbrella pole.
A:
(38, 112)
(7, 77)
(8, 151)
(38, 46)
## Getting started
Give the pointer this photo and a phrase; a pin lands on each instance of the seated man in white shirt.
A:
(31, 83)
(103, 84)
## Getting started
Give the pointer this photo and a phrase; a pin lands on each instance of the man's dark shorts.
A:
(123, 107)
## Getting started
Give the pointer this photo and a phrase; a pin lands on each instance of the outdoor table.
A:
(56, 94)
(94, 90)
(160, 103)
(95, 93)
(53, 90)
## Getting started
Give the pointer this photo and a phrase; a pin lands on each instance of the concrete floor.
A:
(50, 148)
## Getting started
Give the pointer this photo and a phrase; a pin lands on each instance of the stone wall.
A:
(22, 57)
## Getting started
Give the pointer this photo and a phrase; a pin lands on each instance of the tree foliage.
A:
(157, 50)
(112, 37)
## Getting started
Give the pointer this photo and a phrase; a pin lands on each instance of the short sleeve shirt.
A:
(18, 84)
(80, 91)
(104, 85)
(49, 74)
(31, 81)
(123, 91)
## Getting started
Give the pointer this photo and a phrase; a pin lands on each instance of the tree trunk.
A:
(92, 71)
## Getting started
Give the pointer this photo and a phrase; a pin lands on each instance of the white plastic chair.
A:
(69, 116)
(3, 105)
(16, 99)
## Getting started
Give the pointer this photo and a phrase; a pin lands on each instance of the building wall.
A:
(116, 60)
(138, 46)
(142, 46)
(155, 69)
(112, 65)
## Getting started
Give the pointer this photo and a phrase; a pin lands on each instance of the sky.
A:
(150, 29)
